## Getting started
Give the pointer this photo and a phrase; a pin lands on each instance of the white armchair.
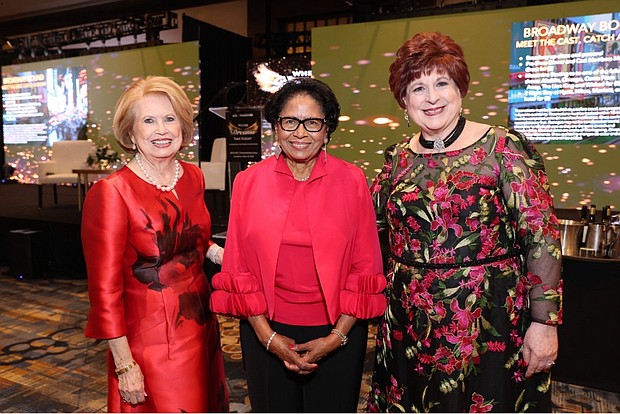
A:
(214, 170)
(66, 156)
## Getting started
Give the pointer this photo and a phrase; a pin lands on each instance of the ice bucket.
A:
(570, 236)
(613, 241)
(598, 238)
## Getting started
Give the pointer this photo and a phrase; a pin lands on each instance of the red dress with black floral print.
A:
(463, 226)
(144, 251)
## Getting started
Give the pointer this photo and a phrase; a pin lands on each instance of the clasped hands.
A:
(303, 358)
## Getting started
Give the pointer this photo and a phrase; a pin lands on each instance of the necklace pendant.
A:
(438, 145)
(441, 144)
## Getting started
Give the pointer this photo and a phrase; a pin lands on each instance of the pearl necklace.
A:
(302, 179)
(166, 188)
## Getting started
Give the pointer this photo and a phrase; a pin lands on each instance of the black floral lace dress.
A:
(463, 226)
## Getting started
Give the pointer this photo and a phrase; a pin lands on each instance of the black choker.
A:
(441, 144)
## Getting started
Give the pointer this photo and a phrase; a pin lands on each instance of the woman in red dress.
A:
(145, 233)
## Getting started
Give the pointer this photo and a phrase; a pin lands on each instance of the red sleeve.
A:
(104, 236)
(237, 295)
(363, 295)
(237, 291)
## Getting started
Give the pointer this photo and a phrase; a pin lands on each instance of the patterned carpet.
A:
(47, 365)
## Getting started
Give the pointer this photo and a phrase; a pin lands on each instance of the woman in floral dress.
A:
(474, 288)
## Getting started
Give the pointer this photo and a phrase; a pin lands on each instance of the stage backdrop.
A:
(74, 98)
(354, 61)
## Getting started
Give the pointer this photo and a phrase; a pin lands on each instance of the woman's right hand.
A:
(130, 378)
(131, 386)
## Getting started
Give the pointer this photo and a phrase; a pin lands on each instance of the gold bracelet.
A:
(343, 337)
(121, 371)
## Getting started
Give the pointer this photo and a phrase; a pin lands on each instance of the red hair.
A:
(421, 55)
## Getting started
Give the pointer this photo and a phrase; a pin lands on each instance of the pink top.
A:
(298, 296)
(341, 225)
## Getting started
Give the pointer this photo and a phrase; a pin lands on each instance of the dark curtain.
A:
(4, 169)
(223, 62)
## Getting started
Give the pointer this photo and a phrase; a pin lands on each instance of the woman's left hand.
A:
(540, 348)
(315, 350)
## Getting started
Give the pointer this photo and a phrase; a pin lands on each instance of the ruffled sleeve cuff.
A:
(237, 295)
(363, 296)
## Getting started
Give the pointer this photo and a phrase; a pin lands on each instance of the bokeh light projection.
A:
(354, 60)
(265, 76)
(107, 75)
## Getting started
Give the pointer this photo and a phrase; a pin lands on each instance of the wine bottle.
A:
(587, 216)
(606, 215)
(592, 214)
(584, 214)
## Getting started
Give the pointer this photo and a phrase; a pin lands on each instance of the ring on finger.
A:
(550, 363)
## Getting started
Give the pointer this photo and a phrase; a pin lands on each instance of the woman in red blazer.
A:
(303, 266)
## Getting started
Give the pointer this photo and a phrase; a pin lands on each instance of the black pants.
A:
(333, 387)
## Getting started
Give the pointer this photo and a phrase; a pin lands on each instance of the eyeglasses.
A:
(310, 124)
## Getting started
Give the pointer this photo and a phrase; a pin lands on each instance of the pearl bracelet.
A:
(271, 339)
(343, 338)
(123, 370)
(212, 253)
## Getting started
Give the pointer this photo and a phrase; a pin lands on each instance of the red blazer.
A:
(343, 231)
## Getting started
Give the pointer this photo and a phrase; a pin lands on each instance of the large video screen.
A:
(565, 79)
(354, 60)
(43, 106)
(74, 98)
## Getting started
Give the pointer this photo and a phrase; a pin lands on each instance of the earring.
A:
(325, 151)
(277, 150)
(407, 118)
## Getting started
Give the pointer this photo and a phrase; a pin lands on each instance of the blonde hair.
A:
(125, 109)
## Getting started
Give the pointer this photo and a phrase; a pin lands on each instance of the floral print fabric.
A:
(463, 226)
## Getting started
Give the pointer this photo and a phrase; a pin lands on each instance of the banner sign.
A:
(243, 140)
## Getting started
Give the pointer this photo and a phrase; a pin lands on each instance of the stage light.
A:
(7, 46)
(150, 24)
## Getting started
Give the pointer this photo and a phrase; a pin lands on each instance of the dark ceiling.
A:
(18, 17)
